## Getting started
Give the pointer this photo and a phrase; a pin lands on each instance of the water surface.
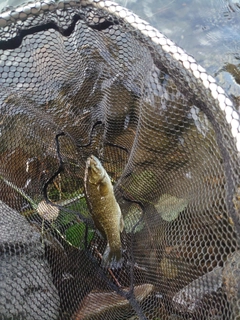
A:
(209, 30)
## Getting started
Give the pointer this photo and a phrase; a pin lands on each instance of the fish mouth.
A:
(92, 162)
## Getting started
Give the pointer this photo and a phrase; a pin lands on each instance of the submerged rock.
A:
(189, 298)
(27, 289)
(97, 304)
(170, 207)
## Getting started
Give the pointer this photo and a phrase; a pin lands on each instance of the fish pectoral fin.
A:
(103, 189)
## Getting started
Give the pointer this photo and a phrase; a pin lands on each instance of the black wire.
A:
(106, 143)
(59, 170)
(90, 136)
(117, 146)
(16, 41)
(50, 180)
(101, 25)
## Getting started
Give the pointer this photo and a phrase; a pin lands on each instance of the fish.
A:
(105, 210)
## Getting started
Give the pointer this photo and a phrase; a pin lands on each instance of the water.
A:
(209, 30)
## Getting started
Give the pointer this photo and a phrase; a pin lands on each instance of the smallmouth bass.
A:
(104, 210)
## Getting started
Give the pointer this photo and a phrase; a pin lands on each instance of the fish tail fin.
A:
(112, 258)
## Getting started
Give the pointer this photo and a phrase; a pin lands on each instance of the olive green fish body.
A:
(104, 209)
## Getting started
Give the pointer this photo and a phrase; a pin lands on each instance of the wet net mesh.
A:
(91, 78)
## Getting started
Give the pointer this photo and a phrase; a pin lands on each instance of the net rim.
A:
(224, 104)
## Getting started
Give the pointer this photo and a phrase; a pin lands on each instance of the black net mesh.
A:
(91, 78)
